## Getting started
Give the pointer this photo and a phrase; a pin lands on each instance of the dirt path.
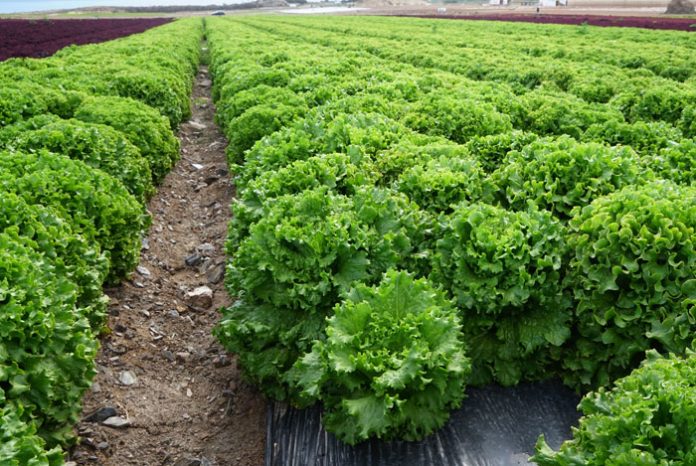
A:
(160, 368)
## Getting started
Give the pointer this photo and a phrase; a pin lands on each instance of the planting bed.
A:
(645, 22)
(442, 235)
(41, 38)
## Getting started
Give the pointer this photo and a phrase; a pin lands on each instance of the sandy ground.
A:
(180, 394)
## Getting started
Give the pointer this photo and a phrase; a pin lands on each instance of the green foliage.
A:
(654, 103)
(441, 183)
(164, 93)
(632, 269)
(305, 249)
(67, 251)
(96, 205)
(340, 173)
(46, 346)
(645, 138)
(97, 145)
(144, 127)
(19, 443)
(504, 269)
(310, 246)
(67, 225)
(548, 113)
(353, 134)
(393, 364)
(22, 100)
(255, 123)
(456, 119)
(268, 341)
(676, 162)
(414, 151)
(646, 418)
(687, 123)
(438, 121)
(561, 174)
(491, 150)
(230, 109)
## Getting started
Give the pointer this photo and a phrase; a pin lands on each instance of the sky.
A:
(42, 5)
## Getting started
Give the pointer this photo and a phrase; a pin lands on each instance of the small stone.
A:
(189, 393)
(102, 445)
(143, 271)
(221, 360)
(173, 313)
(145, 244)
(197, 125)
(101, 414)
(193, 260)
(210, 179)
(201, 297)
(198, 166)
(216, 274)
(96, 388)
(168, 355)
(116, 422)
(70, 463)
(192, 462)
(182, 356)
(127, 378)
(205, 249)
(145, 313)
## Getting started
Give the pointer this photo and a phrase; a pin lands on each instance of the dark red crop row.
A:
(40, 38)
(679, 24)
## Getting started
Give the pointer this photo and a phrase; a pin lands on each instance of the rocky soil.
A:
(166, 392)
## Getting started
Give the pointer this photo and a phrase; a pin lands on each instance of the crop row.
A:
(405, 227)
(85, 136)
(32, 38)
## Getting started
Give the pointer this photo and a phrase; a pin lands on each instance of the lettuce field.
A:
(421, 206)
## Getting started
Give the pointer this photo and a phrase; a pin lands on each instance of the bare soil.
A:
(188, 405)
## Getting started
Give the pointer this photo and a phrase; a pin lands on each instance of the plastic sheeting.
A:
(494, 427)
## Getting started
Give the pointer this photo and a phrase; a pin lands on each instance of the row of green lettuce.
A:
(402, 231)
(85, 137)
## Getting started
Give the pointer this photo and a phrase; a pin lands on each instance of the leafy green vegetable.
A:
(338, 172)
(144, 127)
(645, 138)
(646, 418)
(99, 146)
(556, 113)
(42, 229)
(441, 183)
(561, 174)
(309, 247)
(255, 123)
(46, 346)
(268, 341)
(632, 269)
(96, 205)
(414, 151)
(19, 443)
(677, 162)
(504, 269)
(456, 119)
(491, 150)
(393, 364)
